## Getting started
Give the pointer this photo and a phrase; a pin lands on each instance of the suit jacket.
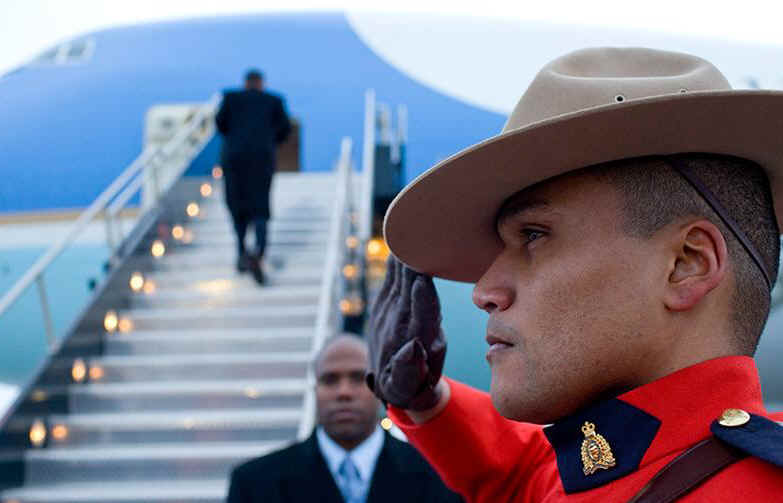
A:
(252, 124)
(299, 474)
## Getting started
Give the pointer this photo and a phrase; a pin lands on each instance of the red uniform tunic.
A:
(490, 459)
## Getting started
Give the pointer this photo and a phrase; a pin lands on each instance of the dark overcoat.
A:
(299, 474)
(252, 123)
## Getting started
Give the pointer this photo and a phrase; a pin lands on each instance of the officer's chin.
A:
(514, 403)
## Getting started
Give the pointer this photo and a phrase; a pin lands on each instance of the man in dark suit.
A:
(252, 122)
(348, 458)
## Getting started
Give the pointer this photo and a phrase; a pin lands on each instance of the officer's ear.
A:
(698, 264)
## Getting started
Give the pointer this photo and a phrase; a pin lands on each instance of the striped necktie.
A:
(350, 482)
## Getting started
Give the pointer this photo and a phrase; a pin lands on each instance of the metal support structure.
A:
(47, 312)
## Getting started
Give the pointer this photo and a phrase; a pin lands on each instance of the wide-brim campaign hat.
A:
(588, 107)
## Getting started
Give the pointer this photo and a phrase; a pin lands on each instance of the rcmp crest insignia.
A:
(596, 452)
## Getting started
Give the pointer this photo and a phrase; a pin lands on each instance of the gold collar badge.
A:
(596, 452)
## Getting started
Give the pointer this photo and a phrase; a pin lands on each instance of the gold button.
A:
(733, 417)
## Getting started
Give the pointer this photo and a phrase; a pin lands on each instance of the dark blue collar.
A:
(601, 443)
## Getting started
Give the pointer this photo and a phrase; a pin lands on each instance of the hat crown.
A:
(610, 76)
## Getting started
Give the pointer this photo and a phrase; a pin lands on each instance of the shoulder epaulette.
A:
(755, 435)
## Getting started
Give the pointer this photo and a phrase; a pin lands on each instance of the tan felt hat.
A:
(587, 107)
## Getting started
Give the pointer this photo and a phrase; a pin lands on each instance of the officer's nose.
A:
(494, 291)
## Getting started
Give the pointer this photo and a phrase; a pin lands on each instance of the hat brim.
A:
(443, 223)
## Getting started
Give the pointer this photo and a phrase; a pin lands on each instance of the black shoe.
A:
(243, 263)
(255, 269)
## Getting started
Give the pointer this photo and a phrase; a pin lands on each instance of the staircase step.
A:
(221, 317)
(220, 280)
(185, 367)
(187, 427)
(207, 342)
(142, 463)
(169, 491)
(288, 227)
(227, 293)
(204, 258)
(184, 395)
(224, 236)
(290, 213)
(202, 238)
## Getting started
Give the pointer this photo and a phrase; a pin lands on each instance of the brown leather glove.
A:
(407, 345)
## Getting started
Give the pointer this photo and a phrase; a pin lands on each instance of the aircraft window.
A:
(77, 50)
(72, 52)
(48, 56)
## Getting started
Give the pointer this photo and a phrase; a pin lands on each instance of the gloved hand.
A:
(407, 346)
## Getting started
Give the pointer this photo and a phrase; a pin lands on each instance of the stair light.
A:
(79, 370)
(386, 423)
(136, 281)
(110, 321)
(158, 248)
(217, 172)
(192, 209)
(252, 393)
(59, 432)
(39, 395)
(125, 325)
(177, 232)
(96, 373)
(214, 286)
(38, 433)
(351, 306)
(377, 249)
(206, 189)
(149, 287)
(351, 242)
(350, 271)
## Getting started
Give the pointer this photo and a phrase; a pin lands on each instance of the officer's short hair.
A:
(654, 195)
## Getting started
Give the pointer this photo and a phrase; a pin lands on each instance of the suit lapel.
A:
(316, 482)
(390, 476)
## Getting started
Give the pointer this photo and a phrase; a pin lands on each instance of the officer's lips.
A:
(497, 346)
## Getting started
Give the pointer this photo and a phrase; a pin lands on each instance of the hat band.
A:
(687, 173)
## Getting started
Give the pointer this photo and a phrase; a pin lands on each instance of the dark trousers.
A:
(241, 222)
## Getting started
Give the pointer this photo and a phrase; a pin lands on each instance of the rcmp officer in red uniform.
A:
(622, 233)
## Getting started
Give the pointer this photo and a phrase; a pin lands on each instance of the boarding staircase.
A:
(208, 368)
(180, 367)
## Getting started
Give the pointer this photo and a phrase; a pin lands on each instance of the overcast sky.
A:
(29, 26)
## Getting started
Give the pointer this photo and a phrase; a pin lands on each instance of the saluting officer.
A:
(622, 233)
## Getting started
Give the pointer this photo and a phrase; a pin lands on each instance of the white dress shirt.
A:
(364, 455)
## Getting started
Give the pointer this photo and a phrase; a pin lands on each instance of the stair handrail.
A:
(114, 192)
(327, 304)
(368, 167)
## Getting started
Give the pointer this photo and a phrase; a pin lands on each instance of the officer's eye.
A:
(530, 235)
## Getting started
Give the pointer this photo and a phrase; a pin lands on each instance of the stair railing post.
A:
(368, 167)
(111, 242)
(47, 313)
